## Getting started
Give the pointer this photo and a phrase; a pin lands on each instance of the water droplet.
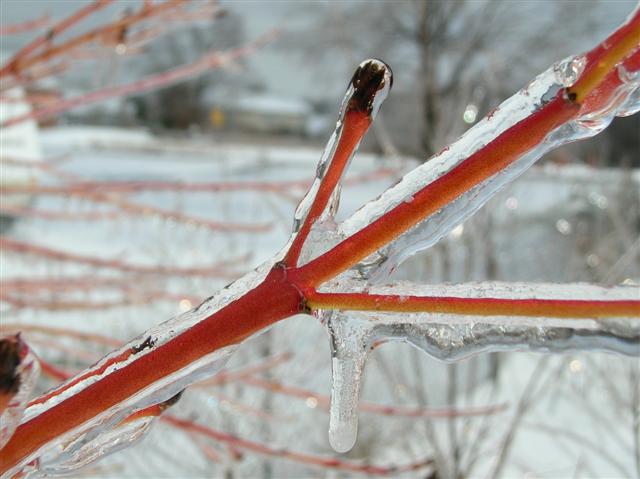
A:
(598, 200)
(563, 226)
(184, 305)
(470, 113)
(575, 366)
(511, 203)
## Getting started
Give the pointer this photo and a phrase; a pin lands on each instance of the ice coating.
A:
(366, 92)
(23, 381)
(101, 427)
(450, 337)
(89, 447)
(510, 112)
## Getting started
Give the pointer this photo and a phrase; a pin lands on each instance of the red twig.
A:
(13, 66)
(308, 459)
(323, 401)
(85, 187)
(209, 61)
(217, 269)
(17, 28)
(556, 308)
(27, 57)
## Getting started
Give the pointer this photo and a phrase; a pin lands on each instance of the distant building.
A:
(261, 113)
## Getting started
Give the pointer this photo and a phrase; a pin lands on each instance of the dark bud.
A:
(370, 78)
(9, 361)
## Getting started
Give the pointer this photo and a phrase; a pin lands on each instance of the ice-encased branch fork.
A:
(338, 271)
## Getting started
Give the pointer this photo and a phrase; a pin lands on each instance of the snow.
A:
(270, 104)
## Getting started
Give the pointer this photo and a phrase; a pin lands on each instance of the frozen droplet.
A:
(569, 70)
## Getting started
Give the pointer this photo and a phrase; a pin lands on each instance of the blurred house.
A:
(261, 113)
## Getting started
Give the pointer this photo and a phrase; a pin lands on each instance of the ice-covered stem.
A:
(497, 155)
(535, 307)
(368, 88)
(125, 373)
(602, 60)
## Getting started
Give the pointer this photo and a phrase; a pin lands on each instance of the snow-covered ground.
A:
(575, 418)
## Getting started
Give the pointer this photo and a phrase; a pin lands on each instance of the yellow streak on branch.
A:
(590, 80)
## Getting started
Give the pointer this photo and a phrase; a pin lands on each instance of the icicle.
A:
(350, 341)
(19, 372)
(451, 337)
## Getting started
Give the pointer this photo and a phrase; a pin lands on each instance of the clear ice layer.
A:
(510, 112)
(106, 432)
